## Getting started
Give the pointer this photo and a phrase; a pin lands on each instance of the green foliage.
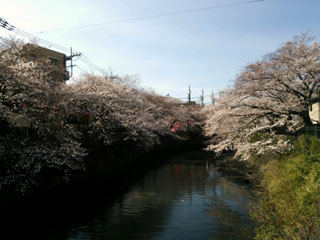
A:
(290, 208)
(259, 160)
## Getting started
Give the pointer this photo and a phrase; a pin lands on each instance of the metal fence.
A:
(313, 130)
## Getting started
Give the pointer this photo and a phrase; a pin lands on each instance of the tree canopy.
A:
(268, 100)
(114, 111)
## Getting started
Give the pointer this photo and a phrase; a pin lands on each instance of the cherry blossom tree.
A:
(268, 100)
(45, 123)
(123, 113)
(33, 137)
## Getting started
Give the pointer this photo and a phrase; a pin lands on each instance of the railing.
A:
(313, 130)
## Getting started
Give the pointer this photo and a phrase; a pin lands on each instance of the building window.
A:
(53, 61)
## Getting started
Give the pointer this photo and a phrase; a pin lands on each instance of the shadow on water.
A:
(183, 198)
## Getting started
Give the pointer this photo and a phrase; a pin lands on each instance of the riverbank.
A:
(105, 167)
(238, 171)
(105, 164)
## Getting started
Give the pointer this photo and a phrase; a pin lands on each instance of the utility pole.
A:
(69, 58)
(202, 98)
(189, 95)
(213, 99)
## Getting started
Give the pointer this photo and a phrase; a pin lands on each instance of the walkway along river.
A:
(184, 198)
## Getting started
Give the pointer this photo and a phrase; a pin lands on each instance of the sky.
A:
(201, 49)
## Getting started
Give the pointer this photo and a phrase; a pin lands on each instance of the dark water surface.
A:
(182, 199)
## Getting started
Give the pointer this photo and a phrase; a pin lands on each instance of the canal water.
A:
(185, 198)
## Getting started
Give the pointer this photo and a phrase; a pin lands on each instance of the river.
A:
(185, 198)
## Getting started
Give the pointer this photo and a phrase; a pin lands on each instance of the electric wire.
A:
(11, 28)
(86, 60)
(81, 69)
(150, 17)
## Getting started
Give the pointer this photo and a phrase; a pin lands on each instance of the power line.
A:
(150, 17)
(81, 69)
(86, 60)
(11, 28)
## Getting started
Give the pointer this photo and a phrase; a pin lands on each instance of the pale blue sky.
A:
(204, 49)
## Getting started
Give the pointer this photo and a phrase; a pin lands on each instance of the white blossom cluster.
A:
(123, 113)
(268, 101)
(36, 114)
(33, 137)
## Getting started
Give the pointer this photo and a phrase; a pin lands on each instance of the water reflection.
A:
(185, 199)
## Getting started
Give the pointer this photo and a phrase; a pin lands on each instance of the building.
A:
(314, 111)
(57, 59)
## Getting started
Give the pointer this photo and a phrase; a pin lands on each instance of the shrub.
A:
(290, 208)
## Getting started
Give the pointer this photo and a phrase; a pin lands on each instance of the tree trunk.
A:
(306, 118)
